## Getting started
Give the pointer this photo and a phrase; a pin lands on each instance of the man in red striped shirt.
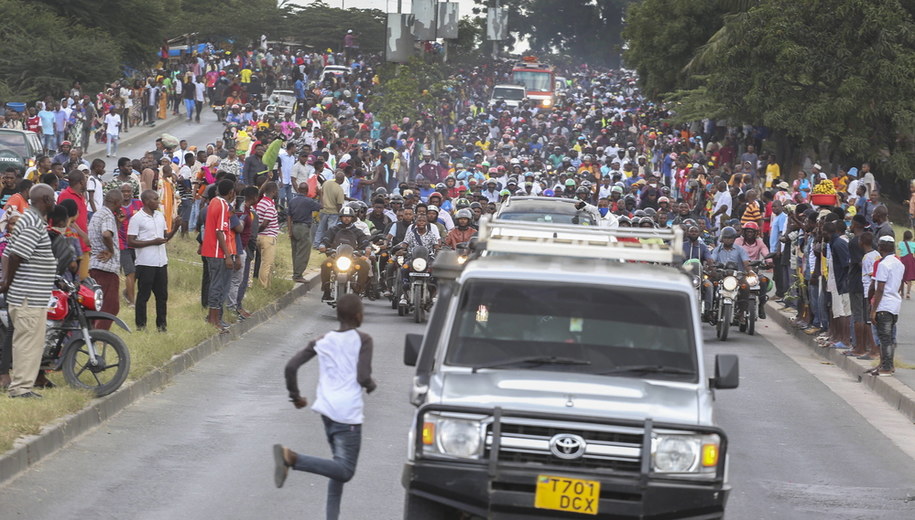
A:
(268, 229)
(218, 248)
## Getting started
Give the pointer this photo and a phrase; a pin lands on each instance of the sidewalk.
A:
(899, 390)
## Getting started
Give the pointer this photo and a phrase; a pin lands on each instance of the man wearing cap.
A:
(64, 156)
(887, 304)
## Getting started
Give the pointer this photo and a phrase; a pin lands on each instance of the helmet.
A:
(347, 211)
(441, 187)
(381, 191)
(436, 194)
(751, 225)
(728, 232)
(461, 203)
(432, 207)
(462, 213)
(582, 189)
(397, 198)
(570, 182)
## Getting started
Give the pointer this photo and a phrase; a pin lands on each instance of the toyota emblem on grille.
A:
(568, 446)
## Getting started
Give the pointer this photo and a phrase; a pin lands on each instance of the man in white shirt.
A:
(147, 234)
(199, 98)
(887, 303)
(286, 161)
(112, 132)
(723, 204)
(301, 170)
(344, 369)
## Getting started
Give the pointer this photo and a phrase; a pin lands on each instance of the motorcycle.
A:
(377, 281)
(724, 299)
(751, 290)
(220, 111)
(342, 276)
(397, 259)
(90, 359)
(419, 295)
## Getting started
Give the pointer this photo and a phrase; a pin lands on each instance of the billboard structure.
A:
(448, 16)
(399, 45)
(424, 12)
(497, 23)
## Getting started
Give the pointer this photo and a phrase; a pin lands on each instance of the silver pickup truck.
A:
(561, 376)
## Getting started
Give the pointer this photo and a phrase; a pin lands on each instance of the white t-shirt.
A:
(867, 268)
(339, 395)
(148, 227)
(890, 271)
(113, 124)
(94, 186)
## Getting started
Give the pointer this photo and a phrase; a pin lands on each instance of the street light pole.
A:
(495, 43)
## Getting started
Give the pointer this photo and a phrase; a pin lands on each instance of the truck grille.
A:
(607, 448)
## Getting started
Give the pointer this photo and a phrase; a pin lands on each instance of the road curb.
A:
(30, 450)
(136, 134)
(890, 389)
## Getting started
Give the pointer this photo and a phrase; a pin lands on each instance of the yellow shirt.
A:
(773, 171)
(246, 75)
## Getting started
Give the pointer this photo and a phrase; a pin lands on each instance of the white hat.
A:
(817, 166)
(350, 31)
(887, 238)
(82, 167)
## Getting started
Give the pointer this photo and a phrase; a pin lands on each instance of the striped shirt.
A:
(266, 214)
(104, 220)
(35, 278)
(751, 213)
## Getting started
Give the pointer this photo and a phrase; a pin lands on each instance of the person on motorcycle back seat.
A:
(463, 231)
(345, 232)
(756, 249)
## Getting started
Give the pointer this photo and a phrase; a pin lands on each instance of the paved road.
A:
(201, 447)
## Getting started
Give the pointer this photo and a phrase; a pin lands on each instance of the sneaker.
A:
(280, 468)
(27, 395)
(885, 373)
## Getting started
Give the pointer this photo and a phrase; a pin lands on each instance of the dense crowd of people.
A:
(324, 165)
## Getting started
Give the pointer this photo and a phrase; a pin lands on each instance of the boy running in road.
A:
(344, 369)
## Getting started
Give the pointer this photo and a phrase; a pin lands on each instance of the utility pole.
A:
(495, 43)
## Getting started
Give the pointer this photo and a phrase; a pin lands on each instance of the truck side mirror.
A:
(727, 372)
(412, 344)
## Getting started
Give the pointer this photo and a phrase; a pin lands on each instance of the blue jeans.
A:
(49, 142)
(112, 146)
(327, 221)
(218, 288)
(886, 333)
(285, 193)
(189, 105)
(345, 441)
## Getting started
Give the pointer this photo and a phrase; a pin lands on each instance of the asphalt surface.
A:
(201, 447)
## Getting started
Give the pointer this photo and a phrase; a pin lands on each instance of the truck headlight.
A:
(688, 454)
(344, 263)
(729, 283)
(547, 102)
(452, 437)
(419, 264)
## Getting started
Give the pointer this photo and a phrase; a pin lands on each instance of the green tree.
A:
(663, 37)
(43, 54)
(835, 76)
(241, 21)
(323, 27)
(408, 90)
(137, 26)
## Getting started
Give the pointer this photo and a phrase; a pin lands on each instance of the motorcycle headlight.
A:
(453, 437)
(685, 453)
(399, 260)
(344, 263)
(99, 299)
(420, 264)
(376, 248)
(462, 260)
(752, 279)
(696, 281)
(729, 283)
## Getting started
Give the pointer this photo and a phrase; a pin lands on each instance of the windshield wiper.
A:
(533, 360)
(648, 369)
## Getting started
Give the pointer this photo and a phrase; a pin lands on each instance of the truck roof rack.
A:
(575, 241)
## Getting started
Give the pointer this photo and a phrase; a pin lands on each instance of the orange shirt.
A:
(17, 201)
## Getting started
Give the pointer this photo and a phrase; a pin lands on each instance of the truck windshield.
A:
(515, 94)
(591, 329)
(533, 81)
(551, 218)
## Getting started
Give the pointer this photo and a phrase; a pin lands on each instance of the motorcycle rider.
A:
(462, 232)
(756, 251)
(420, 234)
(345, 232)
(726, 252)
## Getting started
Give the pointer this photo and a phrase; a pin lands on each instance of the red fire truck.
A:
(538, 80)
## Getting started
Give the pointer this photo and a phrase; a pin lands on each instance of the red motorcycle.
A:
(89, 358)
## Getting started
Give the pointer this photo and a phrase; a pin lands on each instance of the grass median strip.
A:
(149, 349)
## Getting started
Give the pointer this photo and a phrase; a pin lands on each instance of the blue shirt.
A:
(47, 122)
(778, 227)
(736, 254)
(695, 249)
